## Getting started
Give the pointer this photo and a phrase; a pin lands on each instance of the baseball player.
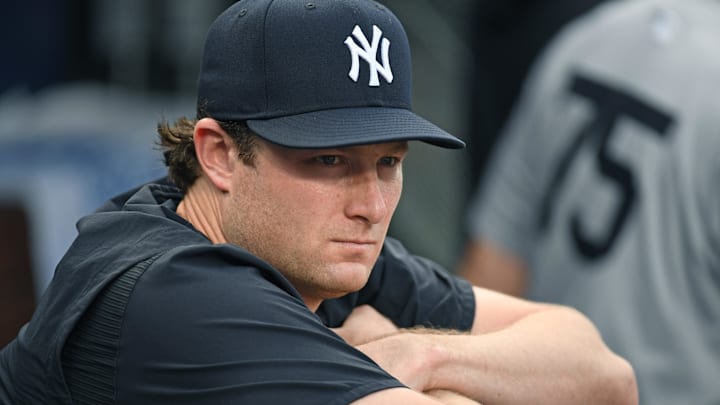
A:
(604, 192)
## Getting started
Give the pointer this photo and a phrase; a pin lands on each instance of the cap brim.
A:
(351, 126)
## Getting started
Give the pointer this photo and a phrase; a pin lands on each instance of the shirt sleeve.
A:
(204, 326)
(410, 291)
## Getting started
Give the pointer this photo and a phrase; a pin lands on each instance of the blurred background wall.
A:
(84, 82)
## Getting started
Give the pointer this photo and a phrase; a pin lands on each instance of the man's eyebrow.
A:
(400, 147)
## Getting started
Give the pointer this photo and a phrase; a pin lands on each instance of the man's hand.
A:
(409, 357)
(405, 355)
(365, 324)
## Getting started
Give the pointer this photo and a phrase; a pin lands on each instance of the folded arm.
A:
(518, 352)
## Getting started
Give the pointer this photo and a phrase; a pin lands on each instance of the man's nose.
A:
(366, 198)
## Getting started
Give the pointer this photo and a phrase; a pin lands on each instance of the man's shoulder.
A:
(215, 316)
(214, 274)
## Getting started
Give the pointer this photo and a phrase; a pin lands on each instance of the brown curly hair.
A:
(176, 143)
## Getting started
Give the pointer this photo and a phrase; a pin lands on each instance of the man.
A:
(261, 273)
(604, 193)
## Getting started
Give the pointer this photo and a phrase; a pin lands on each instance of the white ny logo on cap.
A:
(369, 53)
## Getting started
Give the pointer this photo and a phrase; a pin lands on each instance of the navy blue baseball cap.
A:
(313, 74)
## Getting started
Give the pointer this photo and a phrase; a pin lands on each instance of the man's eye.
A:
(328, 160)
(389, 161)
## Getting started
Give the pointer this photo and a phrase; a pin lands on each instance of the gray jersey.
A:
(607, 183)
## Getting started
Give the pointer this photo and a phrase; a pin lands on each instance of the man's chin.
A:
(347, 278)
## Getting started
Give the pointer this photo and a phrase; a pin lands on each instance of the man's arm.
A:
(518, 352)
(395, 396)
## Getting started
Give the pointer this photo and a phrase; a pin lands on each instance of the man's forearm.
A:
(451, 398)
(565, 362)
(552, 356)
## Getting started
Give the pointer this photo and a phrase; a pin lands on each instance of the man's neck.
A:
(200, 206)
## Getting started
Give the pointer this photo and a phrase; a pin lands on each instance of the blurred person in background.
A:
(505, 37)
(604, 191)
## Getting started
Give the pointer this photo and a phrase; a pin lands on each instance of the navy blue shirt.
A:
(202, 322)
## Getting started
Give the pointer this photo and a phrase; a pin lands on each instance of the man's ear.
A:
(216, 153)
